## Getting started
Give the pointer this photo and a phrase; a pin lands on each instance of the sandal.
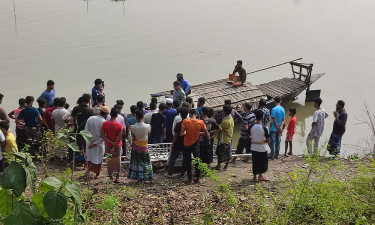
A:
(263, 179)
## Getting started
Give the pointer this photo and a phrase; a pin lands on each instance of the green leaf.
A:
(55, 203)
(5, 201)
(22, 214)
(74, 146)
(30, 169)
(14, 177)
(38, 200)
(73, 189)
(61, 135)
(52, 182)
(86, 135)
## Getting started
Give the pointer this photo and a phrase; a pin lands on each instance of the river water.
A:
(138, 46)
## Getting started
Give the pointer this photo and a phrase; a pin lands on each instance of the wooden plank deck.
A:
(282, 87)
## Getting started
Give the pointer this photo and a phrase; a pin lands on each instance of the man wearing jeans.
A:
(277, 122)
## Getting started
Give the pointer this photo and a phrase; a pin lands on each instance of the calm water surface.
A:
(138, 46)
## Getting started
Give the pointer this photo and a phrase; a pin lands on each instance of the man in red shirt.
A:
(112, 135)
(192, 128)
(47, 118)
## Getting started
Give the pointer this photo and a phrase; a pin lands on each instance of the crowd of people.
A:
(192, 131)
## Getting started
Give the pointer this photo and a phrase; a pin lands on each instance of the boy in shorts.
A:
(290, 132)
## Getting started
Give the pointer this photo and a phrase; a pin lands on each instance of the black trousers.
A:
(172, 159)
(188, 150)
(204, 153)
(243, 144)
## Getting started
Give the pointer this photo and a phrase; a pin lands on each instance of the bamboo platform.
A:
(216, 92)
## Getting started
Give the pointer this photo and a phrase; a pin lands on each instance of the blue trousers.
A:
(275, 143)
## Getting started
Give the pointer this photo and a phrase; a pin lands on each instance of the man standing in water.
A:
(185, 85)
(241, 71)
(341, 116)
(49, 93)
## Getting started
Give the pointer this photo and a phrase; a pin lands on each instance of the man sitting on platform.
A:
(241, 71)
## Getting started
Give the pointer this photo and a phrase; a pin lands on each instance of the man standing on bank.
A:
(277, 122)
(185, 85)
(341, 116)
(241, 71)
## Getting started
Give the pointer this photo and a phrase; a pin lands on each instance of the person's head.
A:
(133, 109)
(99, 83)
(262, 103)
(210, 112)
(292, 111)
(176, 85)
(100, 99)
(189, 100)
(119, 107)
(66, 106)
(205, 111)
(152, 106)
(227, 102)
(247, 106)
(4, 126)
(120, 102)
(185, 104)
(180, 77)
(41, 102)
(278, 99)
(79, 101)
(258, 114)
(193, 113)
(22, 102)
(56, 102)
(155, 100)
(176, 104)
(227, 110)
(317, 102)
(30, 101)
(1, 98)
(104, 111)
(239, 63)
(169, 102)
(140, 105)
(114, 112)
(86, 99)
(162, 107)
(340, 105)
(139, 115)
(184, 112)
(62, 102)
(50, 85)
(201, 101)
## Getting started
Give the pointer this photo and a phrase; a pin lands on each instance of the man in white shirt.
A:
(58, 114)
(148, 115)
(95, 149)
(317, 127)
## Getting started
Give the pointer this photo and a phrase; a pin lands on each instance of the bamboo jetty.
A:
(216, 92)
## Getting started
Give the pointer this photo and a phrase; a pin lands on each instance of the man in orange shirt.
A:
(192, 128)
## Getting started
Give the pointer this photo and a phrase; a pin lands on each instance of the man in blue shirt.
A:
(31, 119)
(97, 90)
(185, 85)
(49, 93)
(170, 113)
(277, 122)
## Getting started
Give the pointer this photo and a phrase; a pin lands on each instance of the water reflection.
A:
(15, 17)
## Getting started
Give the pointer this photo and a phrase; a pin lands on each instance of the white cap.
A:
(169, 101)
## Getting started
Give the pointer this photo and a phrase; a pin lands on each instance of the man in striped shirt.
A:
(244, 142)
(266, 112)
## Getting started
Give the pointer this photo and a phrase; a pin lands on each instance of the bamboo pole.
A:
(255, 71)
